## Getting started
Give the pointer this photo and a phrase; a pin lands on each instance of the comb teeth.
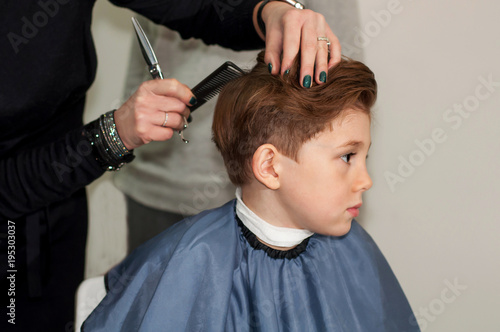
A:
(213, 83)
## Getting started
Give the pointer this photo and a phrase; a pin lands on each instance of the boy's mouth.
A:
(354, 211)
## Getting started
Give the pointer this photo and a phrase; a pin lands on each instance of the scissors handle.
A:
(156, 72)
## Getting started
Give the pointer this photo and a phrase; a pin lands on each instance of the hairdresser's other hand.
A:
(139, 120)
(289, 29)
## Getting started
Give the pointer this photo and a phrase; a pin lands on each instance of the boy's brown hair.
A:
(260, 108)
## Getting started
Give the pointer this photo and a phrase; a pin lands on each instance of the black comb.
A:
(213, 83)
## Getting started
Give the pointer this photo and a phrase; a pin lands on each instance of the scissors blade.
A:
(147, 50)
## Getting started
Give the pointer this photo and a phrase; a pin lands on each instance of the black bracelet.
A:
(107, 147)
(260, 21)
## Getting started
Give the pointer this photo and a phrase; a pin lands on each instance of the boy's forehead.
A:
(351, 129)
(349, 114)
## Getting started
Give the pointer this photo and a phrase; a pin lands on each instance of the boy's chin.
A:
(338, 230)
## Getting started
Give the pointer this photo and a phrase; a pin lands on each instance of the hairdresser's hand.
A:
(287, 30)
(139, 121)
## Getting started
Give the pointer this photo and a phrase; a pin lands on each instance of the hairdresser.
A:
(47, 155)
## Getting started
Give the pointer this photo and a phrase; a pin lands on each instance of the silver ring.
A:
(325, 39)
(166, 119)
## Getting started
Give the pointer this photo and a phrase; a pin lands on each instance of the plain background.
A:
(438, 225)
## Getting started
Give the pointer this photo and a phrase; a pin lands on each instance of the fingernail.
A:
(193, 101)
(270, 67)
(190, 118)
(307, 81)
(322, 76)
(287, 71)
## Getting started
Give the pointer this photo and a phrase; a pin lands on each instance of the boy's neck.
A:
(264, 203)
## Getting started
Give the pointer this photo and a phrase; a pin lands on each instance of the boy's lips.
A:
(354, 211)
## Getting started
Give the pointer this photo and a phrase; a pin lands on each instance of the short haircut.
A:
(260, 108)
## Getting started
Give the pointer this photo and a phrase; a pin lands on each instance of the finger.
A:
(151, 110)
(170, 104)
(146, 107)
(335, 49)
(187, 114)
(171, 120)
(152, 103)
(321, 62)
(159, 133)
(274, 46)
(291, 43)
(308, 50)
(169, 88)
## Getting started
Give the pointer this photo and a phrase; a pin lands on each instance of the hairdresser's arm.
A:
(287, 30)
(34, 178)
(224, 22)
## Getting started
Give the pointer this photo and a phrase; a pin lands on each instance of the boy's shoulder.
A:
(201, 227)
(176, 264)
(186, 242)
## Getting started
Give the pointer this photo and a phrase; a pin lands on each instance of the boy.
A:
(286, 255)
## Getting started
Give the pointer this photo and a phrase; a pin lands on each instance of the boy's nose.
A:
(363, 182)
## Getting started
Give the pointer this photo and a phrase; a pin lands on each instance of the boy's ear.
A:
(264, 164)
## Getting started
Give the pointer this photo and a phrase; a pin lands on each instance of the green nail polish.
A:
(307, 81)
(270, 67)
(193, 101)
(322, 76)
(190, 118)
(287, 71)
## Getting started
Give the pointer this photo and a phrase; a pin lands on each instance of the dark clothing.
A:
(48, 62)
(45, 287)
(157, 221)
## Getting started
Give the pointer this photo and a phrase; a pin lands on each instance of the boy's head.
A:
(308, 144)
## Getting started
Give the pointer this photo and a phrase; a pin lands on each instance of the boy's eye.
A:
(347, 157)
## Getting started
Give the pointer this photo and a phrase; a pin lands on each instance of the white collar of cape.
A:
(270, 234)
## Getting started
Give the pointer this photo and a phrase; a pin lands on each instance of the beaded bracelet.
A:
(107, 146)
(107, 123)
(260, 21)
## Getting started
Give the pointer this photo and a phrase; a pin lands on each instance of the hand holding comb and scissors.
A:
(155, 111)
(204, 91)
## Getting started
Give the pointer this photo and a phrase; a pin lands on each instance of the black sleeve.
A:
(224, 22)
(31, 179)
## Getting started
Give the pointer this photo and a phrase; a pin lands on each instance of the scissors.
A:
(149, 55)
(147, 51)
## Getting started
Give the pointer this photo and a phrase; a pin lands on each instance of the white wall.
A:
(442, 223)
(439, 225)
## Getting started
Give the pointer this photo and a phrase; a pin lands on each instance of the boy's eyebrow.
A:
(352, 143)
